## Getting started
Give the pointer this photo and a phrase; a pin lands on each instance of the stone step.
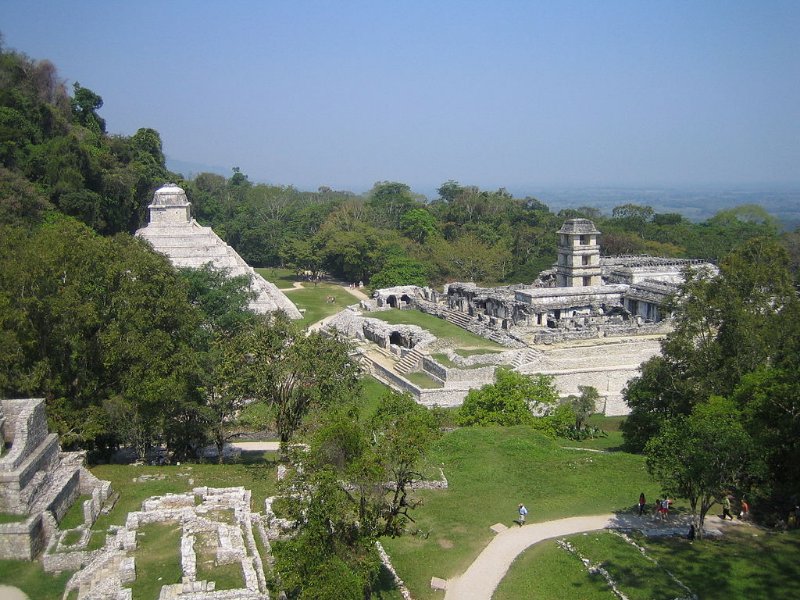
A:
(66, 473)
(410, 362)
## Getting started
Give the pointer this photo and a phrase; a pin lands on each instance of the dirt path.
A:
(483, 576)
(8, 592)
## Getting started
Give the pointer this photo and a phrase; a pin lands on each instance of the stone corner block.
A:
(498, 528)
(438, 584)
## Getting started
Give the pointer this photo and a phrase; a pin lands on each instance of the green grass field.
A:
(258, 477)
(442, 329)
(283, 278)
(158, 559)
(490, 470)
(744, 563)
(31, 579)
(312, 299)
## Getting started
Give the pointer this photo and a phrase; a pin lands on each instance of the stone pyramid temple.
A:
(172, 231)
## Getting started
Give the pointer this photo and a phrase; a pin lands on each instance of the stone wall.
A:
(445, 397)
(55, 562)
(25, 428)
(23, 540)
(70, 490)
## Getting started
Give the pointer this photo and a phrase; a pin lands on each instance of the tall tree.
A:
(294, 372)
(701, 457)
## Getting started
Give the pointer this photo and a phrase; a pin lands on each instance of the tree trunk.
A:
(284, 448)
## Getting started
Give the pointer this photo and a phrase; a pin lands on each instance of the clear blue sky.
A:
(492, 93)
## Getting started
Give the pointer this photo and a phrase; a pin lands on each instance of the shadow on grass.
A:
(385, 588)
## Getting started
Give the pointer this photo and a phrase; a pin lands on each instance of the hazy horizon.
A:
(507, 93)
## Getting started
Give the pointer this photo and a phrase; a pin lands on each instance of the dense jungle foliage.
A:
(106, 329)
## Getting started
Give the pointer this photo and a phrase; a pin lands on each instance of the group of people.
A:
(661, 508)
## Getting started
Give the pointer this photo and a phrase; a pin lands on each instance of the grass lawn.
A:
(490, 470)
(283, 278)
(442, 329)
(423, 380)
(546, 571)
(465, 352)
(744, 563)
(313, 300)
(9, 518)
(258, 477)
(158, 559)
(31, 579)
(227, 577)
(74, 515)
(611, 442)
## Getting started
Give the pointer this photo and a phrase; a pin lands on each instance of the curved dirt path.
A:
(479, 581)
(483, 576)
(8, 592)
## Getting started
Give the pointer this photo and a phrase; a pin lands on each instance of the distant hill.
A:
(696, 204)
(189, 169)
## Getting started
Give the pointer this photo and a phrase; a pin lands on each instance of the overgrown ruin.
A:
(173, 232)
(588, 321)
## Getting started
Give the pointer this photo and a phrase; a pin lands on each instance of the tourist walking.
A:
(642, 504)
(744, 513)
(663, 511)
(726, 508)
(523, 512)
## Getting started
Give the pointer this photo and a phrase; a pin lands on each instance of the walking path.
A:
(483, 576)
(8, 592)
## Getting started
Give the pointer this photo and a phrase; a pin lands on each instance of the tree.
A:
(400, 270)
(223, 300)
(294, 372)
(511, 400)
(402, 432)
(701, 457)
(354, 487)
(584, 405)
(725, 327)
(418, 224)
(85, 104)
(388, 201)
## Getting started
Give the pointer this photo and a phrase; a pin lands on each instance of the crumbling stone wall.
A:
(23, 540)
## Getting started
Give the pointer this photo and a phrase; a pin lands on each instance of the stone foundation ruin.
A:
(38, 482)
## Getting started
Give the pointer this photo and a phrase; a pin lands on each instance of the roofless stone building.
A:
(173, 232)
(591, 320)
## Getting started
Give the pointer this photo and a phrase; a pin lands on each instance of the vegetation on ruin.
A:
(444, 330)
(74, 515)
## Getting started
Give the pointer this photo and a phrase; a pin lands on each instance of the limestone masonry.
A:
(38, 482)
(588, 321)
(172, 231)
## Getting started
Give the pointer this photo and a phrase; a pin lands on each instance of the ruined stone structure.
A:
(585, 296)
(578, 254)
(590, 320)
(173, 232)
(218, 520)
(38, 482)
